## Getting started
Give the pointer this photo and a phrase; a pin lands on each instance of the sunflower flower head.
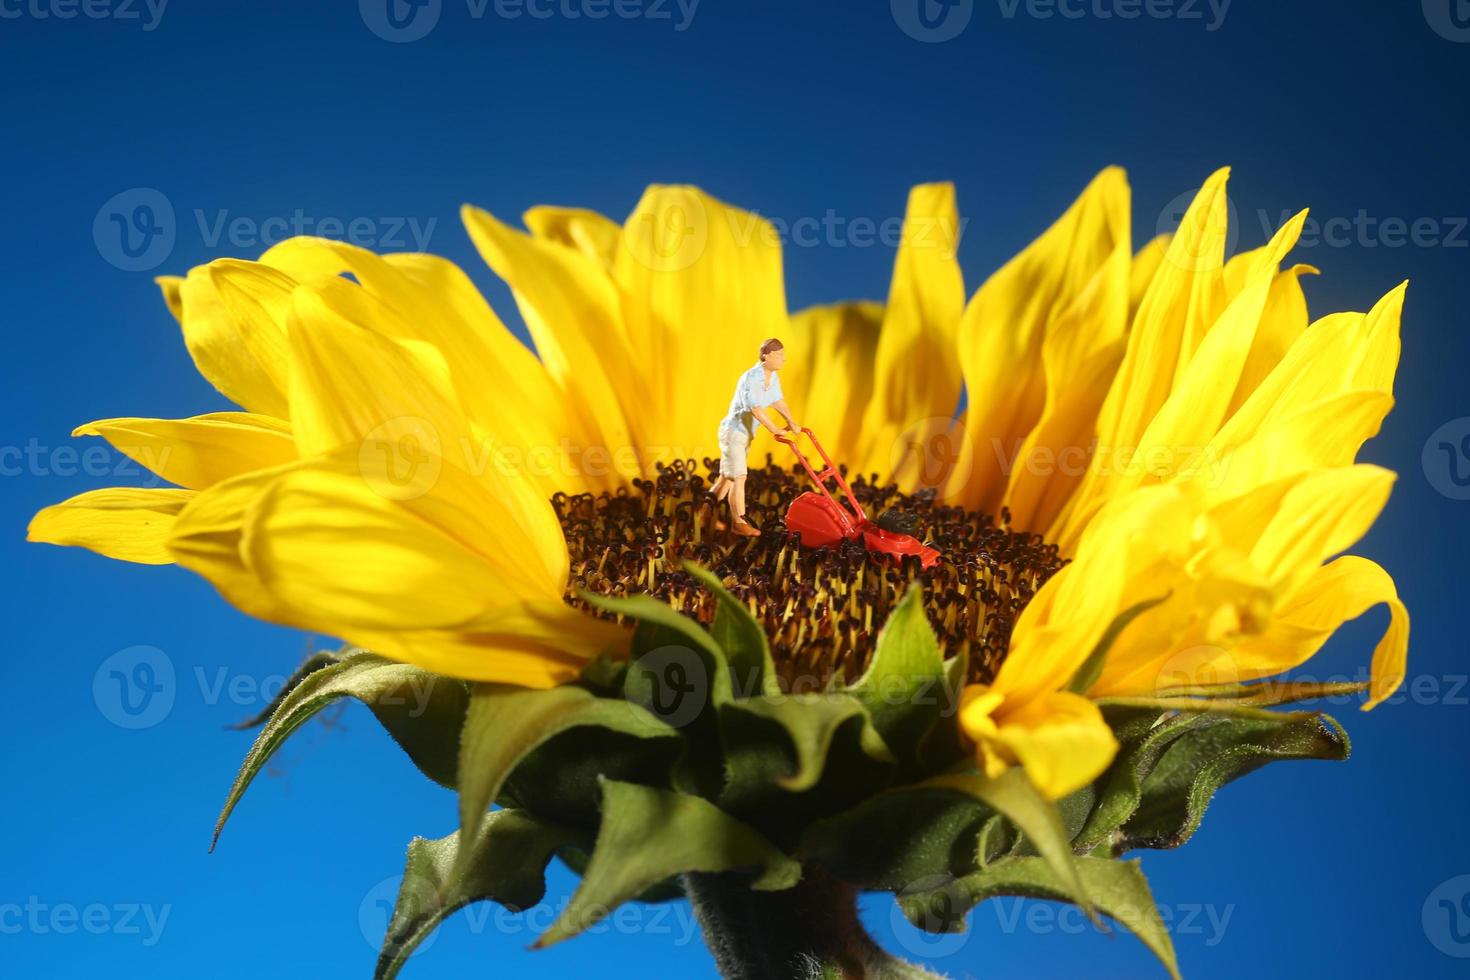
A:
(1138, 465)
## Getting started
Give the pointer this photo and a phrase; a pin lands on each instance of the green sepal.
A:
(504, 725)
(678, 673)
(810, 723)
(900, 836)
(668, 890)
(790, 760)
(1013, 795)
(743, 639)
(905, 687)
(1118, 888)
(511, 855)
(649, 835)
(423, 712)
(1271, 692)
(1177, 791)
(1143, 735)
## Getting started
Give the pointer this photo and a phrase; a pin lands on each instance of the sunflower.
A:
(1154, 456)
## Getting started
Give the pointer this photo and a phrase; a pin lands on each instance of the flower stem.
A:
(810, 932)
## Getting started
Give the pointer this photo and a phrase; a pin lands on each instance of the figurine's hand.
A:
(793, 427)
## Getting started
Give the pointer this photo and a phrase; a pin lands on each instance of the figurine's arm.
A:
(764, 418)
(781, 407)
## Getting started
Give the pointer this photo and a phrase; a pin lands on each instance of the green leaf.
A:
(505, 724)
(900, 836)
(738, 633)
(810, 722)
(649, 835)
(512, 852)
(1092, 667)
(423, 713)
(1117, 887)
(1013, 795)
(309, 666)
(1189, 773)
(904, 688)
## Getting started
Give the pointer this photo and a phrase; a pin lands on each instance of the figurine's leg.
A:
(737, 510)
(720, 489)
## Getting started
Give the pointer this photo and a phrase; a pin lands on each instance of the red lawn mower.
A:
(822, 521)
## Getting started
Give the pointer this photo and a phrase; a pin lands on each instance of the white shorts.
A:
(734, 446)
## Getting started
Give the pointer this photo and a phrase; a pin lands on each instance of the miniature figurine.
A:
(758, 389)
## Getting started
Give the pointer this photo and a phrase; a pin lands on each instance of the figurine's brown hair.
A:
(770, 345)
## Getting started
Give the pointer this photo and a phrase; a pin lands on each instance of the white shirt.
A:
(751, 392)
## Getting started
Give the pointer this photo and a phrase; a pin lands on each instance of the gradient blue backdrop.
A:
(265, 110)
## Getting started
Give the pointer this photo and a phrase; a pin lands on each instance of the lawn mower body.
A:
(821, 520)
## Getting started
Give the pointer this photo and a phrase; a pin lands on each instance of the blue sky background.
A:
(236, 114)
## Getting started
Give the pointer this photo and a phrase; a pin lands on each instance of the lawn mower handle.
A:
(829, 472)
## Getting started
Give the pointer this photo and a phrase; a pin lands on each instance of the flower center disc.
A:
(821, 608)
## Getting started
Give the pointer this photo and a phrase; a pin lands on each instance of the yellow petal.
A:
(1337, 592)
(915, 377)
(1340, 353)
(702, 288)
(590, 233)
(199, 452)
(350, 382)
(392, 402)
(1080, 355)
(829, 378)
(574, 316)
(206, 539)
(1324, 435)
(1067, 618)
(1323, 515)
(1060, 739)
(1173, 440)
(1283, 320)
(1145, 266)
(1185, 296)
(171, 287)
(126, 523)
(423, 299)
(322, 538)
(1009, 317)
(236, 341)
(531, 644)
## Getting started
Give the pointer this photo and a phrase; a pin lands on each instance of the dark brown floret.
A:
(821, 608)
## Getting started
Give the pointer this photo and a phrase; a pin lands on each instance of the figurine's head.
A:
(773, 354)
